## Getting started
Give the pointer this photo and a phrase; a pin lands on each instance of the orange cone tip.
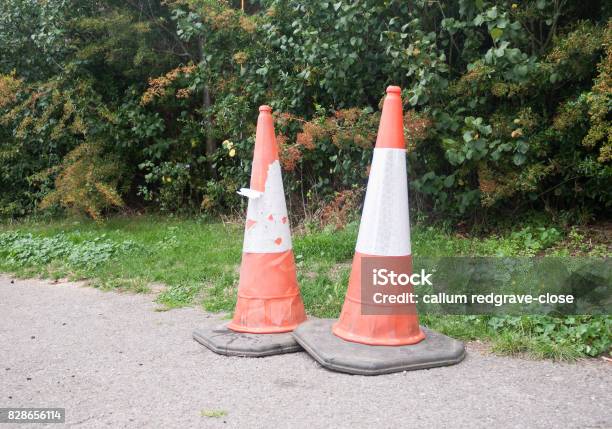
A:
(269, 298)
(391, 128)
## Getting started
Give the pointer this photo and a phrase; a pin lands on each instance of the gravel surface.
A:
(113, 361)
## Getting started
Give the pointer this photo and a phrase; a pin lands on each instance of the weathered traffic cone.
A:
(269, 304)
(373, 336)
(269, 298)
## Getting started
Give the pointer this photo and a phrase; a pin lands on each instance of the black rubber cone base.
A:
(334, 353)
(218, 338)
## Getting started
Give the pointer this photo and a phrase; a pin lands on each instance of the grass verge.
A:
(196, 261)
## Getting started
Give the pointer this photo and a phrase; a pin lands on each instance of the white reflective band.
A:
(267, 225)
(385, 225)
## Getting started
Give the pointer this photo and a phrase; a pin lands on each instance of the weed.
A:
(214, 413)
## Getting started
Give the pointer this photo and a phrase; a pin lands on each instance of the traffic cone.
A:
(370, 337)
(384, 232)
(269, 304)
(269, 298)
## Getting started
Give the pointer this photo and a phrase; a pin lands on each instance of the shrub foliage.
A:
(148, 102)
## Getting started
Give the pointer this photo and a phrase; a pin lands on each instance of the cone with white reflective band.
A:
(368, 339)
(269, 298)
(384, 232)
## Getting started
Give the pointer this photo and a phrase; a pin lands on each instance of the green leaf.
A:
(554, 77)
(518, 158)
(496, 33)
(451, 155)
(448, 142)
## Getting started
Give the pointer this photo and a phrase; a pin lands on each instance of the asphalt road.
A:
(113, 361)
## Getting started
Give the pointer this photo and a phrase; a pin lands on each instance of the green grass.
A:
(213, 413)
(197, 262)
(188, 256)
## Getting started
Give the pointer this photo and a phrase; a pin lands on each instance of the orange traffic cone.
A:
(372, 336)
(269, 298)
(384, 234)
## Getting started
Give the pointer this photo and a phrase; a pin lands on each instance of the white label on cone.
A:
(267, 225)
(249, 193)
(385, 226)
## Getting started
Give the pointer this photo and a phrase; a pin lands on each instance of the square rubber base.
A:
(224, 341)
(337, 354)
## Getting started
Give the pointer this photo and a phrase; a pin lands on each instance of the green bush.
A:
(507, 104)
